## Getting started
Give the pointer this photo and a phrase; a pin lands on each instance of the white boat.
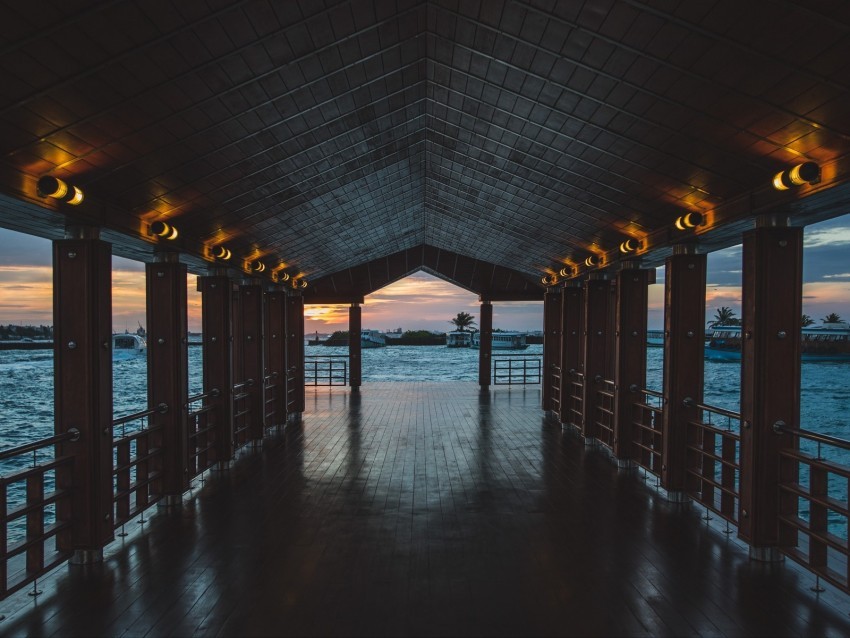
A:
(501, 341)
(655, 338)
(128, 345)
(829, 342)
(458, 339)
(372, 339)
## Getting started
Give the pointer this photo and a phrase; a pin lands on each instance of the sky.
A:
(421, 301)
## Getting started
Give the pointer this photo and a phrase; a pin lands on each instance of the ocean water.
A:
(26, 392)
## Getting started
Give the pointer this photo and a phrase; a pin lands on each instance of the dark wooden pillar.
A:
(551, 349)
(684, 337)
(82, 350)
(770, 376)
(572, 358)
(295, 353)
(251, 348)
(168, 369)
(629, 351)
(596, 350)
(216, 300)
(355, 326)
(275, 356)
(485, 350)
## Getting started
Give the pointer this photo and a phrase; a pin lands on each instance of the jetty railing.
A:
(241, 411)
(814, 479)
(604, 411)
(136, 463)
(326, 370)
(647, 434)
(203, 432)
(713, 459)
(270, 391)
(31, 502)
(517, 369)
(556, 387)
(291, 378)
(576, 408)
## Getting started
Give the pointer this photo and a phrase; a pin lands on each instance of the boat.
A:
(655, 338)
(458, 339)
(372, 339)
(829, 342)
(127, 345)
(501, 341)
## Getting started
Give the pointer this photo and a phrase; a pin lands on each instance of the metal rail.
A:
(203, 433)
(517, 370)
(73, 434)
(326, 370)
(162, 408)
(647, 434)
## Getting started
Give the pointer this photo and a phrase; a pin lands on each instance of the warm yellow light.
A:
(258, 266)
(805, 173)
(56, 188)
(220, 252)
(566, 271)
(591, 261)
(689, 220)
(303, 283)
(629, 246)
(77, 197)
(284, 276)
(777, 182)
(166, 231)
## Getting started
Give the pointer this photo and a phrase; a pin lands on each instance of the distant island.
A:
(13, 332)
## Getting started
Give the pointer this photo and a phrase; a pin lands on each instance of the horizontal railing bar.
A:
(194, 413)
(714, 457)
(243, 395)
(162, 408)
(326, 356)
(838, 544)
(135, 486)
(49, 499)
(713, 482)
(647, 428)
(710, 427)
(204, 395)
(244, 384)
(647, 392)
(41, 468)
(118, 469)
(811, 436)
(822, 500)
(24, 545)
(135, 435)
(824, 465)
(690, 403)
(829, 575)
(204, 430)
(73, 434)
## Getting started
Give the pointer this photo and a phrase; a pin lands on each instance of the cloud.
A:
(835, 236)
(843, 275)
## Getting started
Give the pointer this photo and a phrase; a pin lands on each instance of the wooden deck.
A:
(426, 509)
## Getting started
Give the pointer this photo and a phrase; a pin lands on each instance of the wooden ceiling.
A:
(526, 134)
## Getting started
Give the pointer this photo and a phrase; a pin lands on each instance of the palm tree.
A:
(463, 321)
(724, 316)
(831, 318)
(806, 320)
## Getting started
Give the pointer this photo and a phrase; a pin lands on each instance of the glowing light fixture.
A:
(566, 271)
(57, 189)
(302, 283)
(591, 261)
(166, 231)
(689, 220)
(220, 252)
(257, 266)
(629, 246)
(549, 280)
(805, 173)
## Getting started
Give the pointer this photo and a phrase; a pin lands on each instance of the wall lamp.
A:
(689, 220)
(591, 261)
(549, 280)
(166, 231)
(629, 246)
(805, 173)
(220, 252)
(299, 283)
(257, 266)
(56, 188)
(566, 271)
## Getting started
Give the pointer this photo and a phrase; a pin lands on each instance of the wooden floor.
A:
(426, 509)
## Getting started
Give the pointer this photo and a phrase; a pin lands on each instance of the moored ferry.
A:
(829, 342)
(372, 339)
(655, 338)
(128, 345)
(501, 341)
(458, 339)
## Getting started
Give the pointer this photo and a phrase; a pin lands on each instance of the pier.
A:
(296, 154)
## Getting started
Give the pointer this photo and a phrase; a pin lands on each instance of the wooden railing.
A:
(647, 433)
(576, 409)
(291, 379)
(555, 387)
(331, 369)
(713, 460)
(241, 412)
(204, 431)
(270, 389)
(604, 411)
(517, 370)
(814, 516)
(136, 463)
(30, 505)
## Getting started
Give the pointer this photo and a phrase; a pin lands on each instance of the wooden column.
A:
(295, 353)
(82, 351)
(572, 355)
(485, 350)
(770, 376)
(684, 330)
(596, 349)
(216, 300)
(551, 347)
(354, 346)
(251, 347)
(629, 351)
(275, 356)
(168, 369)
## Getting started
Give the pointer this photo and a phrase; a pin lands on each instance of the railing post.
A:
(684, 350)
(770, 375)
(630, 351)
(355, 346)
(216, 299)
(295, 351)
(168, 369)
(82, 350)
(252, 350)
(275, 332)
(485, 350)
(597, 347)
(551, 342)
(572, 341)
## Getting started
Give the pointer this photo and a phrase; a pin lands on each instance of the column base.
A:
(170, 501)
(590, 442)
(623, 464)
(86, 557)
(222, 466)
(293, 417)
(766, 555)
(678, 497)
